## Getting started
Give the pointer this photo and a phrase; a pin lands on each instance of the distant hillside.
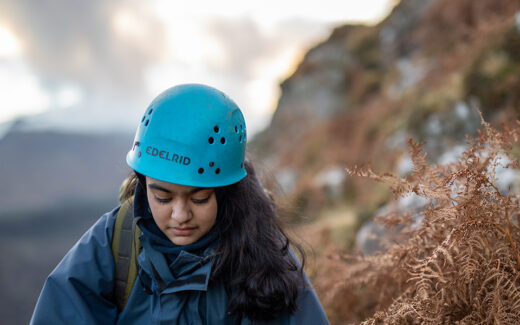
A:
(32, 245)
(54, 187)
(43, 170)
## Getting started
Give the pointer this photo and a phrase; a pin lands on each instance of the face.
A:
(183, 213)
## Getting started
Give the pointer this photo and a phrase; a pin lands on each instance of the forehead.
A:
(171, 187)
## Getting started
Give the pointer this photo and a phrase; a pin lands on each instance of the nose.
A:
(181, 211)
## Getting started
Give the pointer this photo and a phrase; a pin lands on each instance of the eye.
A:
(202, 197)
(200, 201)
(162, 200)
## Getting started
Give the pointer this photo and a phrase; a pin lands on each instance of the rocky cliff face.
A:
(358, 96)
(423, 73)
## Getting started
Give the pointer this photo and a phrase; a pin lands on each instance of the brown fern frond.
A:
(460, 263)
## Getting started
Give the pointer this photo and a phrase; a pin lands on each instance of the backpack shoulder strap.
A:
(125, 248)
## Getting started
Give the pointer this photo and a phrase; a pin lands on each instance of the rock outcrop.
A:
(357, 97)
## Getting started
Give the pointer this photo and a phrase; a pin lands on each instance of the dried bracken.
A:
(458, 260)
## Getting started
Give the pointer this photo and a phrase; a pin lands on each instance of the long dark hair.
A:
(253, 259)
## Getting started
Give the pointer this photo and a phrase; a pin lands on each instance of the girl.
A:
(213, 251)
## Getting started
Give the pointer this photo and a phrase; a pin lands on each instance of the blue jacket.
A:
(80, 289)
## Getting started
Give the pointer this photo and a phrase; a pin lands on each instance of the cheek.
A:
(158, 211)
(210, 215)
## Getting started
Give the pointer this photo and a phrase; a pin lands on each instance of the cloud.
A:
(85, 42)
(109, 58)
(255, 57)
(242, 44)
(246, 43)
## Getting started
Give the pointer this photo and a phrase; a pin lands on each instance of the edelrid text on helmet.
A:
(191, 135)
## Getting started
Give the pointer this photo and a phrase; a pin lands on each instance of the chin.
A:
(183, 241)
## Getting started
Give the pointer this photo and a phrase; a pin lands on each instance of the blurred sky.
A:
(94, 65)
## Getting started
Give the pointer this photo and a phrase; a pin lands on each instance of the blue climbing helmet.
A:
(191, 135)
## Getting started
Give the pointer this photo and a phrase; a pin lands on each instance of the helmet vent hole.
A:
(240, 139)
(142, 120)
(223, 140)
(217, 171)
(201, 170)
(211, 164)
(150, 111)
(236, 129)
(146, 123)
(216, 129)
(211, 140)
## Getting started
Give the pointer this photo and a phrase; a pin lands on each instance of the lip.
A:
(186, 231)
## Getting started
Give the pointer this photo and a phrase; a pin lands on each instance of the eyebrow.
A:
(158, 187)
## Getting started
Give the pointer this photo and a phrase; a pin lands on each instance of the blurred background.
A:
(323, 86)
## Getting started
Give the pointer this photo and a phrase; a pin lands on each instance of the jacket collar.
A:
(187, 272)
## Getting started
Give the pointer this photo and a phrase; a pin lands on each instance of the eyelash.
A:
(196, 201)
(162, 201)
(200, 201)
